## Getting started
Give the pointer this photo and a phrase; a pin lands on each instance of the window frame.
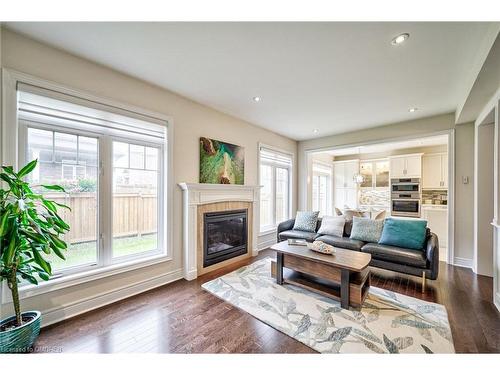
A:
(12, 154)
(105, 169)
(329, 187)
(274, 225)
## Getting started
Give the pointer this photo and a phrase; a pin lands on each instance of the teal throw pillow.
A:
(306, 221)
(367, 230)
(404, 233)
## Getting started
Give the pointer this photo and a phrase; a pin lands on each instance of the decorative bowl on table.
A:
(321, 247)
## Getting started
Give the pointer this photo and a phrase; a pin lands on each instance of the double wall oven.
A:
(405, 197)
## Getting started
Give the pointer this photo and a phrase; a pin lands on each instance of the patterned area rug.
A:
(387, 323)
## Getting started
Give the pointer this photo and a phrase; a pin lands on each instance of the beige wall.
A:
(464, 196)
(191, 120)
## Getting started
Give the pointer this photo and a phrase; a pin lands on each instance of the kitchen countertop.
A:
(435, 206)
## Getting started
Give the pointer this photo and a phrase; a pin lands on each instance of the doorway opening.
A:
(372, 178)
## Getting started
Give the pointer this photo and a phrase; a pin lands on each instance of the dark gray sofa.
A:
(424, 263)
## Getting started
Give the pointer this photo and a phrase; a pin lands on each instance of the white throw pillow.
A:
(332, 226)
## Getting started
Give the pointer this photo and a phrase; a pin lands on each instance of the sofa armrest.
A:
(432, 252)
(285, 225)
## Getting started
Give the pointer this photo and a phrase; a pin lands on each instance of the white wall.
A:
(483, 202)
(464, 194)
(191, 120)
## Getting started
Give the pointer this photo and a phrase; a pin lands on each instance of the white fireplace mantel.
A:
(197, 194)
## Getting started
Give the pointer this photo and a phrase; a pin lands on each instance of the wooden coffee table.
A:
(344, 275)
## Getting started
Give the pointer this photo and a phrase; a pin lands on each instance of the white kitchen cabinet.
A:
(406, 166)
(435, 171)
(345, 198)
(444, 169)
(437, 221)
(344, 172)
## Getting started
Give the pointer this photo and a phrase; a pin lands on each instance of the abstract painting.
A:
(221, 162)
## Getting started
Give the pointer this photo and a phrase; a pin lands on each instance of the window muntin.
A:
(78, 141)
(275, 193)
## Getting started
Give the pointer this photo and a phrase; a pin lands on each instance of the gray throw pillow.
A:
(332, 226)
(306, 221)
(366, 230)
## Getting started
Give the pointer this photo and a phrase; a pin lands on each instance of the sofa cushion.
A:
(306, 221)
(367, 230)
(404, 233)
(300, 234)
(394, 254)
(332, 225)
(343, 242)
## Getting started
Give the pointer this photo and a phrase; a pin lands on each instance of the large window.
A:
(322, 188)
(275, 194)
(110, 163)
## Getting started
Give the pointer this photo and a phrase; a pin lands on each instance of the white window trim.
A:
(11, 156)
(329, 198)
(272, 228)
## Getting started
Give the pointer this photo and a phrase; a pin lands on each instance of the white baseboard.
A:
(462, 262)
(81, 306)
(265, 244)
(496, 301)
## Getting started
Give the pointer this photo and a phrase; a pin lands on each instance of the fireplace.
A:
(224, 236)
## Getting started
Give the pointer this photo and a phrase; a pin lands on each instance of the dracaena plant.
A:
(30, 230)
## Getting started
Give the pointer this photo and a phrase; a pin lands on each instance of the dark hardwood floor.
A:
(183, 318)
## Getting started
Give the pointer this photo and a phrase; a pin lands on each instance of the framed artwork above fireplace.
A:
(221, 162)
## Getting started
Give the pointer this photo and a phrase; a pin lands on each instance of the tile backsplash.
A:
(372, 197)
(434, 196)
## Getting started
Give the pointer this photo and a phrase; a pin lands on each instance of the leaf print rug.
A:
(387, 323)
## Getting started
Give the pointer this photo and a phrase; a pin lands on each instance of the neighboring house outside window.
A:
(276, 190)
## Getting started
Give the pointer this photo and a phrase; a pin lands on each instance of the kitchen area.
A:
(407, 179)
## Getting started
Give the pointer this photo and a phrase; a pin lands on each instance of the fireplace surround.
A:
(200, 199)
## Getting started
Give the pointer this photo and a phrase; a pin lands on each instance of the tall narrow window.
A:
(322, 188)
(135, 199)
(110, 163)
(275, 194)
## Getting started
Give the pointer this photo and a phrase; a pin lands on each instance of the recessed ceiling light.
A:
(414, 109)
(400, 39)
(315, 130)
(257, 99)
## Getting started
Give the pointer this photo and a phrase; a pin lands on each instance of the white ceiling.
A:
(334, 77)
(439, 140)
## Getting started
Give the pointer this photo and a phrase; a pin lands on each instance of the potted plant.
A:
(30, 229)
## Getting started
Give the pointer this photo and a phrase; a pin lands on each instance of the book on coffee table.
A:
(297, 241)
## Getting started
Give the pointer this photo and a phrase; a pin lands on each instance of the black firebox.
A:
(224, 236)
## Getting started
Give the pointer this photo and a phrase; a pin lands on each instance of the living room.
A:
(245, 203)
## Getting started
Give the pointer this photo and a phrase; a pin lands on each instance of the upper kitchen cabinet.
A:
(435, 171)
(375, 173)
(406, 166)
